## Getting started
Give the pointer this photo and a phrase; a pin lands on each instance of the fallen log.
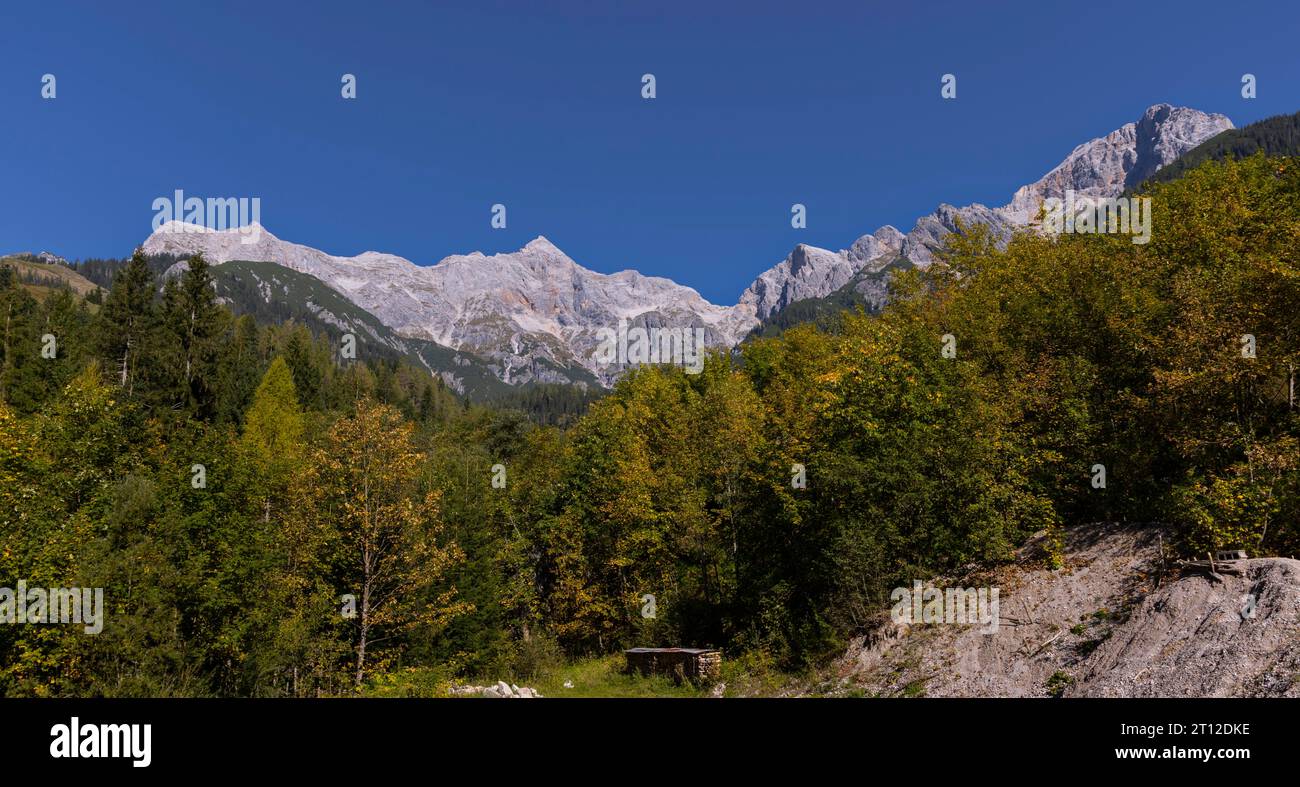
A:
(1043, 646)
(1207, 567)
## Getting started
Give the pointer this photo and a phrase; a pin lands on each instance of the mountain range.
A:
(536, 315)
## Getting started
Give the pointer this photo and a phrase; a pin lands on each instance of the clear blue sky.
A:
(537, 105)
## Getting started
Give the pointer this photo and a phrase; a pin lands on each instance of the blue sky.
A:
(538, 106)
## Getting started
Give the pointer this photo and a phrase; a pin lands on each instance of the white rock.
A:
(530, 311)
(1103, 167)
(516, 309)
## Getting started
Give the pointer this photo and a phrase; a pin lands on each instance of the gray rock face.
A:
(883, 243)
(1197, 637)
(930, 231)
(1103, 628)
(1106, 166)
(528, 312)
(535, 313)
(1103, 167)
(810, 272)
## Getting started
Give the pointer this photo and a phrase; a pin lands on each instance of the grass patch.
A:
(417, 682)
(603, 677)
(914, 689)
(748, 675)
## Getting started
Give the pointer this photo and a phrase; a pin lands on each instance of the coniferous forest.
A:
(270, 518)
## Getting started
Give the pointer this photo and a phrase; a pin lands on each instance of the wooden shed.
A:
(696, 664)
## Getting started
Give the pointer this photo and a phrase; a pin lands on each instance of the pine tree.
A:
(308, 377)
(239, 370)
(127, 320)
(193, 326)
(19, 343)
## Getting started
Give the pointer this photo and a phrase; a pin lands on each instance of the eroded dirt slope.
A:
(1116, 621)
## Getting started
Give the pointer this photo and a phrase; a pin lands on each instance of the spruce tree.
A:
(193, 326)
(19, 343)
(127, 320)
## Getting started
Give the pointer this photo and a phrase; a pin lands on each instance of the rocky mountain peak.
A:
(541, 244)
(1106, 166)
(532, 313)
(1166, 132)
(884, 242)
(535, 312)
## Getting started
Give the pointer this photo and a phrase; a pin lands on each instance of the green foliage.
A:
(604, 677)
(191, 325)
(126, 325)
(328, 476)
(273, 427)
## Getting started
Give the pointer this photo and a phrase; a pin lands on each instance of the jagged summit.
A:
(176, 226)
(541, 243)
(537, 303)
(514, 308)
(1107, 165)
(1101, 167)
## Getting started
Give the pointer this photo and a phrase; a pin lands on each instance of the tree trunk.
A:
(125, 356)
(365, 618)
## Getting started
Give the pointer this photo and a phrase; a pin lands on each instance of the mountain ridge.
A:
(1101, 167)
(535, 312)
